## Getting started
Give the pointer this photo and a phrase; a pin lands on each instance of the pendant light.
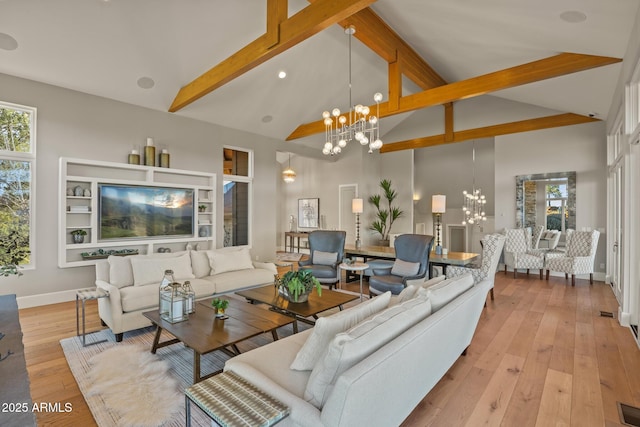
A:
(289, 175)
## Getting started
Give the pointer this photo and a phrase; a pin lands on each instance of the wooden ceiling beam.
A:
(555, 66)
(299, 27)
(548, 122)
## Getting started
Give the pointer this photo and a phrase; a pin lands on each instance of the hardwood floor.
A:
(542, 355)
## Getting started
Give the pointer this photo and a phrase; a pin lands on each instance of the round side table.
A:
(356, 266)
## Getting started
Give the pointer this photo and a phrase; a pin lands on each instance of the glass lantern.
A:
(190, 295)
(173, 303)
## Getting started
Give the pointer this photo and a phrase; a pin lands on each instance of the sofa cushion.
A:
(434, 281)
(406, 294)
(350, 347)
(120, 271)
(222, 261)
(326, 329)
(447, 290)
(404, 268)
(240, 279)
(324, 258)
(135, 298)
(149, 270)
(200, 264)
(273, 360)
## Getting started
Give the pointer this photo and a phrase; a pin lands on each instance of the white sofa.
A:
(133, 281)
(377, 388)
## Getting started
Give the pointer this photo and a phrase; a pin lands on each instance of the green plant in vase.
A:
(297, 285)
(202, 208)
(78, 235)
(220, 305)
(385, 216)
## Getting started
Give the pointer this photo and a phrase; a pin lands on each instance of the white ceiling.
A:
(103, 47)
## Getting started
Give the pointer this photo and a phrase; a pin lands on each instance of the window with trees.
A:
(238, 178)
(17, 166)
(556, 205)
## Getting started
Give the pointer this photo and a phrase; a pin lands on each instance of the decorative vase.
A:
(77, 238)
(303, 297)
(220, 312)
(383, 242)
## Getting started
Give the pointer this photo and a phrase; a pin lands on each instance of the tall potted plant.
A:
(385, 215)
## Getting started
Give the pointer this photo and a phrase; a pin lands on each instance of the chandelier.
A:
(474, 201)
(289, 175)
(358, 124)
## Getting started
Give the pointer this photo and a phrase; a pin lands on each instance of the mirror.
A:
(547, 199)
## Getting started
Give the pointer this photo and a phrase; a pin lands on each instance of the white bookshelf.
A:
(79, 181)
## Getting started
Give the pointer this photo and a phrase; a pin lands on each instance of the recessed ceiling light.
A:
(7, 42)
(573, 16)
(267, 119)
(146, 82)
(282, 74)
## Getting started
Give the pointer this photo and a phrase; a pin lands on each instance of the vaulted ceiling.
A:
(558, 54)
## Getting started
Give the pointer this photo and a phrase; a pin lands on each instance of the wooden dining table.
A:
(389, 253)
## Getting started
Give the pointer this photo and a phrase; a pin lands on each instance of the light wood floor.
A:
(542, 355)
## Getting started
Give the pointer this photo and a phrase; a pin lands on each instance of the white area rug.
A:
(105, 366)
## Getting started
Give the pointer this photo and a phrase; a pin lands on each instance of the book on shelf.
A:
(79, 209)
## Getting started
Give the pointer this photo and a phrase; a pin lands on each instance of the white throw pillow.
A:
(434, 281)
(325, 258)
(326, 329)
(405, 268)
(444, 292)
(150, 269)
(120, 271)
(406, 294)
(351, 347)
(200, 264)
(222, 261)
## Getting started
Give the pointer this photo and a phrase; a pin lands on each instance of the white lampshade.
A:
(438, 203)
(357, 206)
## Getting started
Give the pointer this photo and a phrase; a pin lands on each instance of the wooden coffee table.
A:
(204, 333)
(301, 310)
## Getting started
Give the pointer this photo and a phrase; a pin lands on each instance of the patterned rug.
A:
(179, 360)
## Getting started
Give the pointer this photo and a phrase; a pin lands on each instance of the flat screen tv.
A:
(140, 212)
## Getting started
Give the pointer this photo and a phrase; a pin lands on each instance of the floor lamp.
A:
(357, 207)
(438, 207)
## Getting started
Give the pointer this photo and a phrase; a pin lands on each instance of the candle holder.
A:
(134, 158)
(150, 153)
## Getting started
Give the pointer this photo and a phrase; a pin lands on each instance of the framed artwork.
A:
(308, 213)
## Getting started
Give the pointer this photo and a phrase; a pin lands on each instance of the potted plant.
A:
(202, 208)
(220, 305)
(385, 216)
(297, 285)
(78, 235)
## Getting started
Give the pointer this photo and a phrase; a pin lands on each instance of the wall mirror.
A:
(547, 199)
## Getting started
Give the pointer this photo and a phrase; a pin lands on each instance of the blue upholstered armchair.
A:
(326, 253)
(412, 262)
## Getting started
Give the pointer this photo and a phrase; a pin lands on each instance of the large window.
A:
(17, 183)
(238, 177)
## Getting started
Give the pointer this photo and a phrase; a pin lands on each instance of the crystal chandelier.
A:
(289, 175)
(474, 201)
(358, 124)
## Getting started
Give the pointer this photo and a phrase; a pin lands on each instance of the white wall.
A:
(72, 124)
(580, 148)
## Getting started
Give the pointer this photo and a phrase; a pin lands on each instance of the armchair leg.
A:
(591, 278)
(527, 271)
(505, 269)
(541, 273)
(547, 274)
(566, 276)
(515, 272)
(492, 294)
(573, 280)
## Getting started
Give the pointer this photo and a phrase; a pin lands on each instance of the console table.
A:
(291, 235)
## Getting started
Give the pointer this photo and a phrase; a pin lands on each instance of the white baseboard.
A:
(599, 276)
(624, 318)
(46, 299)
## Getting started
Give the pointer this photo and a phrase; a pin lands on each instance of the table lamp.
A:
(357, 207)
(438, 207)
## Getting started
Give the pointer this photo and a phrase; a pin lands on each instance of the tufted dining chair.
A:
(326, 252)
(518, 252)
(412, 262)
(578, 258)
(492, 245)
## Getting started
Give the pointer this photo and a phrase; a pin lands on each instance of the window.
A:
(556, 213)
(17, 183)
(237, 186)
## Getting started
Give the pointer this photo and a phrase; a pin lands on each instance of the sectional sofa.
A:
(369, 365)
(133, 281)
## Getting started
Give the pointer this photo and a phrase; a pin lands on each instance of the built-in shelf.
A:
(77, 175)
